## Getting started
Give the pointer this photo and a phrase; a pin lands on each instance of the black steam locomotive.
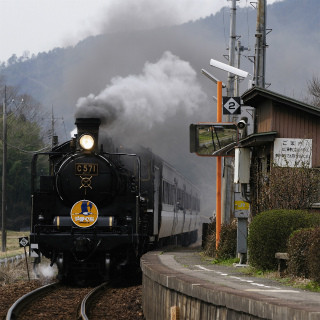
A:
(96, 211)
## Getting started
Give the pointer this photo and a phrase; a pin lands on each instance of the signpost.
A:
(292, 153)
(24, 242)
(218, 169)
(241, 212)
(231, 105)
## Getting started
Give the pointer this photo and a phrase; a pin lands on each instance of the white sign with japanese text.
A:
(288, 152)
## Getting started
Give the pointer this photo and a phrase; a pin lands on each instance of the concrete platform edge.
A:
(164, 288)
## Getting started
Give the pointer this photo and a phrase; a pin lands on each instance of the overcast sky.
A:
(41, 25)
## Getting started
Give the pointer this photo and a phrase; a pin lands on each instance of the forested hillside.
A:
(60, 77)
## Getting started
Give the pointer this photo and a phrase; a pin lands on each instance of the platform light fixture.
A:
(226, 67)
(211, 77)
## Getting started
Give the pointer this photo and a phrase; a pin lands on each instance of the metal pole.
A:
(52, 127)
(218, 168)
(227, 184)
(260, 49)
(25, 255)
(236, 87)
(4, 174)
(232, 50)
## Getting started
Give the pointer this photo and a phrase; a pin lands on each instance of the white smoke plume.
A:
(138, 102)
(46, 271)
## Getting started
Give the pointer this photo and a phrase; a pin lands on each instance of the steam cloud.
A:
(154, 110)
(138, 102)
(47, 271)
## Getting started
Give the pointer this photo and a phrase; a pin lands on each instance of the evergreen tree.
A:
(24, 136)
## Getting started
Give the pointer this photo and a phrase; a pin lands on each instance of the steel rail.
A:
(16, 308)
(88, 299)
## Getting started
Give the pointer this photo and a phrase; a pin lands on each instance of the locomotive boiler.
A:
(96, 210)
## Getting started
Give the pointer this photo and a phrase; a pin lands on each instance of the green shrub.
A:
(227, 247)
(298, 248)
(314, 255)
(269, 232)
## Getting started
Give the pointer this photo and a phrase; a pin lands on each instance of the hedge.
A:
(269, 232)
(298, 247)
(313, 258)
(304, 256)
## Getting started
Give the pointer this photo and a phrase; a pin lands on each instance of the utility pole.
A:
(232, 48)
(260, 48)
(54, 139)
(239, 49)
(4, 173)
(227, 181)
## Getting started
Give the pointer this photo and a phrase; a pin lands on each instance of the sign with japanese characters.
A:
(292, 152)
(84, 213)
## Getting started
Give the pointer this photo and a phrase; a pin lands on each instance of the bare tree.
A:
(314, 90)
(285, 188)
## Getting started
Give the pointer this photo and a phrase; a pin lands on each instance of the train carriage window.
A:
(186, 197)
(170, 194)
(164, 192)
(168, 191)
(180, 198)
(193, 203)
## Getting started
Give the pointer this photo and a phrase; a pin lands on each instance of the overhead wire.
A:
(29, 151)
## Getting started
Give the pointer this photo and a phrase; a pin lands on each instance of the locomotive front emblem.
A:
(85, 183)
(84, 213)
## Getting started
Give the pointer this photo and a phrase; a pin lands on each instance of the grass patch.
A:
(223, 262)
(12, 244)
(296, 282)
(299, 283)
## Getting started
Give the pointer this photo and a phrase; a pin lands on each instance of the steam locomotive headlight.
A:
(86, 142)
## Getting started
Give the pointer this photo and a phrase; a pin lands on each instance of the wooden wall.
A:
(290, 123)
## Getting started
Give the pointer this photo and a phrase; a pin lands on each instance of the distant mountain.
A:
(60, 77)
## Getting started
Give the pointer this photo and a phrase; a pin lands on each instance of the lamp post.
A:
(220, 85)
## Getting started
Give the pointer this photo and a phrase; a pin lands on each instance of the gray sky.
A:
(41, 25)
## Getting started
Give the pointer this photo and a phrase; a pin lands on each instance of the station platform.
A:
(180, 284)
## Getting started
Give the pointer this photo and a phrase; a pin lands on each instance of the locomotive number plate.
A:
(86, 169)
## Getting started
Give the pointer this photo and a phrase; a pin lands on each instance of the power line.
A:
(28, 151)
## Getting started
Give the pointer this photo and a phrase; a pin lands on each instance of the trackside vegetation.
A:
(269, 233)
(25, 134)
(228, 241)
(296, 232)
(303, 250)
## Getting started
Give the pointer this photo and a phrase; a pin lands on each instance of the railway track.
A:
(89, 300)
(55, 301)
